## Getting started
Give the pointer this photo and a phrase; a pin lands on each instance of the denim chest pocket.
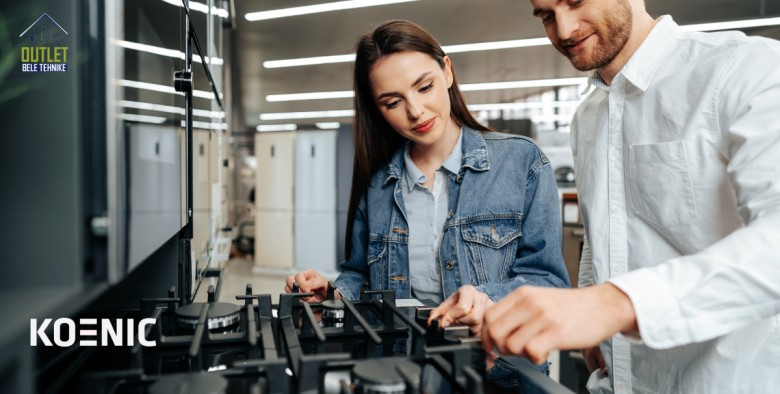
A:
(660, 184)
(491, 247)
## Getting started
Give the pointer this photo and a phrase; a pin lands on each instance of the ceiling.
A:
(450, 21)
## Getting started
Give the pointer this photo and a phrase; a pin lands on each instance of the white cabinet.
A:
(295, 198)
(315, 200)
(201, 191)
(275, 153)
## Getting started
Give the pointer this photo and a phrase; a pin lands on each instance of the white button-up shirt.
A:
(678, 175)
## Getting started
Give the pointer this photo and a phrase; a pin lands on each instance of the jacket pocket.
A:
(490, 246)
(660, 185)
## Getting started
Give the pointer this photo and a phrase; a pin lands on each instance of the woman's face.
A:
(410, 89)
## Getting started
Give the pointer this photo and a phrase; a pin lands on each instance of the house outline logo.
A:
(39, 19)
(45, 47)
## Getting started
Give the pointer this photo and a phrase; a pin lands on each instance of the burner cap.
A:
(381, 375)
(220, 315)
(333, 304)
(194, 383)
(333, 313)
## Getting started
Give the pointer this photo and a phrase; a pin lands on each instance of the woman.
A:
(439, 202)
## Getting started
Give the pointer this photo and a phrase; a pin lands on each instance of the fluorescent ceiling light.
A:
(466, 87)
(327, 125)
(308, 61)
(195, 6)
(161, 88)
(163, 51)
(470, 87)
(277, 127)
(206, 125)
(317, 8)
(345, 113)
(474, 107)
(169, 109)
(528, 42)
(524, 105)
(481, 46)
(489, 46)
(142, 118)
(742, 24)
(310, 96)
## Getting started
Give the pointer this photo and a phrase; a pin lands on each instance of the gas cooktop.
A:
(372, 345)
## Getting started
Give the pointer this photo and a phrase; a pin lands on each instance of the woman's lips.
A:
(425, 127)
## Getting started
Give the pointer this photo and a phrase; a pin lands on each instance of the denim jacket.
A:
(502, 229)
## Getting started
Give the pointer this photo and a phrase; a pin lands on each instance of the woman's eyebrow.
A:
(416, 81)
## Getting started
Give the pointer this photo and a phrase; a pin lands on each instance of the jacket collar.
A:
(474, 156)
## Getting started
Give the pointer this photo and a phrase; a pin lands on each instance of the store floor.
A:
(240, 271)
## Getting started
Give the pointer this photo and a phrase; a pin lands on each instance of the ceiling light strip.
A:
(328, 125)
(473, 107)
(277, 127)
(200, 7)
(206, 125)
(742, 24)
(142, 118)
(489, 46)
(163, 51)
(529, 42)
(318, 8)
(161, 88)
(482, 46)
(466, 87)
(310, 96)
(345, 113)
(524, 105)
(470, 87)
(170, 109)
(309, 61)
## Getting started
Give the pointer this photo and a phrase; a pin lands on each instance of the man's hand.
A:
(309, 281)
(465, 306)
(531, 321)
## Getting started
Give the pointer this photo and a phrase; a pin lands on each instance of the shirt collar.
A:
(415, 176)
(644, 63)
(452, 164)
(412, 173)
(470, 151)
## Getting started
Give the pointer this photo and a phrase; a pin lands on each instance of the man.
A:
(677, 155)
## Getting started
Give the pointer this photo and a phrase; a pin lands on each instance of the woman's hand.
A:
(309, 281)
(594, 360)
(465, 306)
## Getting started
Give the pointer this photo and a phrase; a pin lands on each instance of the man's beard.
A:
(612, 35)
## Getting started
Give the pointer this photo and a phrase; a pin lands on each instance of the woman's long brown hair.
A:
(375, 141)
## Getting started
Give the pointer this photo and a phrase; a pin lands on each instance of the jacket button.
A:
(449, 265)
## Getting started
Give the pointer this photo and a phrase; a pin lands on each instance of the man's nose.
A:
(567, 24)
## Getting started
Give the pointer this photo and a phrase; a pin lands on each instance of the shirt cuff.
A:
(657, 309)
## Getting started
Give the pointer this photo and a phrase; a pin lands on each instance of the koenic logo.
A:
(120, 332)
(45, 46)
